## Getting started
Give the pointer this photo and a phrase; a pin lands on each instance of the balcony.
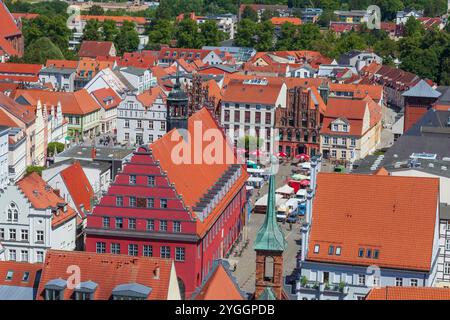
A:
(305, 284)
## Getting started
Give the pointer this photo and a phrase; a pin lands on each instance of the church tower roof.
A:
(269, 236)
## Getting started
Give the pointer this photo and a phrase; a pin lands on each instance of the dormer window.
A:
(376, 253)
(132, 179)
(345, 128)
(9, 275)
(85, 291)
(335, 127)
(361, 252)
(54, 289)
(316, 248)
(330, 250)
(131, 291)
(338, 251)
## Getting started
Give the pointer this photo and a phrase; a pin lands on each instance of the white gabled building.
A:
(33, 219)
(142, 118)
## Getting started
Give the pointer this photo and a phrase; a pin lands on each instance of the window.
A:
(335, 127)
(12, 255)
(326, 140)
(316, 248)
(13, 214)
(330, 250)
(26, 276)
(40, 256)
(82, 295)
(227, 114)
(151, 181)
(127, 136)
(127, 125)
(150, 202)
(40, 236)
(150, 225)
(179, 254)
(2, 234)
(447, 244)
(333, 153)
(362, 279)
(247, 116)
(353, 142)
(24, 255)
(163, 125)
(150, 124)
(376, 281)
(132, 223)
(106, 222)
(399, 282)
(165, 252)
(237, 116)
(139, 124)
(147, 251)
(163, 203)
(414, 282)
(132, 179)
(368, 253)
(100, 247)
(52, 294)
(133, 201)
(12, 234)
(119, 223)
(345, 128)
(150, 138)
(268, 118)
(115, 248)
(447, 268)
(176, 226)
(119, 201)
(338, 251)
(9, 275)
(375, 253)
(361, 252)
(132, 249)
(335, 140)
(163, 225)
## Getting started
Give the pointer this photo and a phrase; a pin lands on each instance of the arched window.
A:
(13, 213)
(268, 269)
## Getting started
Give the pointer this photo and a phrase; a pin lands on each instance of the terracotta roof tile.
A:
(409, 293)
(22, 113)
(93, 49)
(42, 196)
(19, 269)
(9, 27)
(107, 271)
(240, 92)
(107, 98)
(386, 215)
(147, 98)
(281, 20)
(78, 186)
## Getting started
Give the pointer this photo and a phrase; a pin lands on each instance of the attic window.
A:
(26, 276)
(376, 253)
(316, 248)
(338, 251)
(9, 275)
(330, 250)
(361, 252)
(368, 253)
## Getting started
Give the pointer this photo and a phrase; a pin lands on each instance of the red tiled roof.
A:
(42, 196)
(7, 47)
(93, 49)
(167, 53)
(107, 98)
(19, 269)
(281, 20)
(340, 27)
(78, 186)
(144, 59)
(147, 98)
(20, 71)
(409, 293)
(387, 215)
(22, 113)
(27, 15)
(108, 271)
(79, 102)
(7, 120)
(219, 286)
(70, 64)
(9, 27)
(237, 91)
(192, 181)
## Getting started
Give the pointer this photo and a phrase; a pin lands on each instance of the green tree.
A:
(187, 35)
(265, 35)
(41, 50)
(423, 62)
(249, 13)
(37, 169)
(55, 145)
(210, 33)
(127, 40)
(109, 30)
(413, 28)
(326, 17)
(288, 33)
(91, 31)
(246, 33)
(162, 32)
(96, 10)
(53, 27)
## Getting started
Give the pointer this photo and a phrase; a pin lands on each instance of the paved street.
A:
(245, 270)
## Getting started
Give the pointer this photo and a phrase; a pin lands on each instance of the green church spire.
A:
(269, 236)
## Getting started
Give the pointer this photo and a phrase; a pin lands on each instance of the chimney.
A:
(57, 192)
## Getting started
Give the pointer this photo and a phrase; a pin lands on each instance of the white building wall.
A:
(4, 149)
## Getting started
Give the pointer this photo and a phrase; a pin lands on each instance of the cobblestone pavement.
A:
(245, 269)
